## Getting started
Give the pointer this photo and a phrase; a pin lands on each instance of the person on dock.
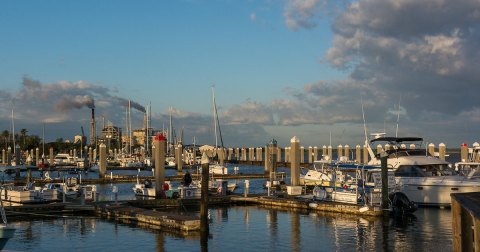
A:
(187, 179)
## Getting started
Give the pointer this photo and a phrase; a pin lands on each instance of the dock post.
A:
(330, 152)
(272, 164)
(279, 154)
(17, 156)
(37, 156)
(85, 159)
(102, 168)
(267, 161)
(365, 154)
(3, 157)
(358, 154)
(463, 152)
(247, 186)
(310, 154)
(295, 161)
(204, 228)
(9, 156)
(159, 166)
(178, 157)
(441, 151)
(431, 149)
(346, 151)
(90, 156)
(315, 153)
(324, 151)
(221, 156)
(51, 155)
(339, 152)
(302, 155)
(383, 162)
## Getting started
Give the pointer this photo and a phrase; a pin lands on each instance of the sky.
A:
(279, 68)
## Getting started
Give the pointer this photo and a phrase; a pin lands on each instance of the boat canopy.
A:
(397, 139)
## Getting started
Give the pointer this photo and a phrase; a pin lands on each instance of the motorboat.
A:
(425, 179)
(63, 159)
(362, 185)
(70, 188)
(471, 166)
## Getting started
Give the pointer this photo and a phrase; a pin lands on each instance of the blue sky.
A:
(280, 68)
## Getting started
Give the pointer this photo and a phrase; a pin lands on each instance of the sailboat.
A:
(215, 167)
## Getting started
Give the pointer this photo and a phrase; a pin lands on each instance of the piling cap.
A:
(295, 140)
(160, 137)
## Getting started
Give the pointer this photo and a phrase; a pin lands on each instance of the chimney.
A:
(92, 134)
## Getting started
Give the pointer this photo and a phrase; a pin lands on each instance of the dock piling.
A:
(204, 228)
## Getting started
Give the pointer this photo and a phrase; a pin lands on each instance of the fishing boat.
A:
(362, 185)
(425, 179)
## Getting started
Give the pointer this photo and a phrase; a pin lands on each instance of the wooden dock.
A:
(127, 213)
(466, 221)
(307, 204)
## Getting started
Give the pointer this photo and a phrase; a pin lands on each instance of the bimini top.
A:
(397, 140)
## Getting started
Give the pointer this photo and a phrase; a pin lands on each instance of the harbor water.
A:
(234, 228)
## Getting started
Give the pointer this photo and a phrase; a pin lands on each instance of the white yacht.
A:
(425, 179)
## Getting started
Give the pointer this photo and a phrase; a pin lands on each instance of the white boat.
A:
(425, 179)
(63, 159)
(70, 188)
(6, 232)
(471, 166)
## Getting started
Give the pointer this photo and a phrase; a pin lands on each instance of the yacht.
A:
(425, 179)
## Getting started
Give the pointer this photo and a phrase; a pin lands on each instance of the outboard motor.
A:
(401, 204)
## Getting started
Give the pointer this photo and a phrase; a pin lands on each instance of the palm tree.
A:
(23, 132)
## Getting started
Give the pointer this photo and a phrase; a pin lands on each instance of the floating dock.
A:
(127, 213)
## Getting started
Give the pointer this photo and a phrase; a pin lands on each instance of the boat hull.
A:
(435, 191)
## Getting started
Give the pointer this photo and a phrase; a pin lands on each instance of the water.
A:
(235, 228)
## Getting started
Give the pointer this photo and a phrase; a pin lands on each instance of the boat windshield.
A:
(428, 170)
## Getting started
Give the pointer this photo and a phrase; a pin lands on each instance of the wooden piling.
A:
(160, 147)
(295, 161)
(464, 152)
(204, 228)
(310, 154)
(315, 153)
(51, 155)
(178, 157)
(102, 168)
(358, 154)
(431, 149)
(442, 151)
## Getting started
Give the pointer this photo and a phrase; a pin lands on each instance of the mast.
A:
(130, 127)
(13, 133)
(216, 121)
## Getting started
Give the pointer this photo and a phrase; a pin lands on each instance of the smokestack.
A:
(92, 134)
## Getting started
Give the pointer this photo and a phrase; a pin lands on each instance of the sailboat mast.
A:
(130, 126)
(214, 118)
(13, 133)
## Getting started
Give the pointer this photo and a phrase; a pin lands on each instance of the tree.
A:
(23, 132)
(6, 137)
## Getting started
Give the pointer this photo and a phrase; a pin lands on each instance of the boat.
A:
(215, 167)
(6, 232)
(471, 166)
(362, 185)
(28, 194)
(70, 188)
(423, 178)
(321, 174)
(63, 159)
(145, 189)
